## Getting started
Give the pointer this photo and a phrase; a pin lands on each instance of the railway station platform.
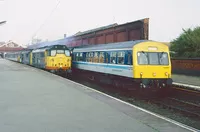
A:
(191, 80)
(187, 81)
(32, 100)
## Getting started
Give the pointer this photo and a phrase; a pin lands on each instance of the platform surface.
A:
(187, 80)
(32, 100)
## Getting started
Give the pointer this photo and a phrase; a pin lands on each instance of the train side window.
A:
(42, 54)
(91, 56)
(81, 57)
(96, 57)
(87, 57)
(84, 56)
(107, 58)
(129, 57)
(113, 57)
(74, 56)
(120, 57)
(101, 57)
(77, 56)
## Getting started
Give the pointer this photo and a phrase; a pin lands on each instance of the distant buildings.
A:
(9, 46)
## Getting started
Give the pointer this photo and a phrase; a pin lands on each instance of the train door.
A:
(107, 61)
(34, 59)
(30, 58)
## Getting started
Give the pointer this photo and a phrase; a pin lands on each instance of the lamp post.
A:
(2, 22)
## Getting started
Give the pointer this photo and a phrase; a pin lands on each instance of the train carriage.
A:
(14, 56)
(25, 57)
(142, 61)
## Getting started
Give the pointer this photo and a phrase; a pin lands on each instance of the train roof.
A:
(118, 45)
(48, 43)
(49, 47)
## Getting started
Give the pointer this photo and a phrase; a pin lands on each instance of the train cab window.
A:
(101, 57)
(67, 53)
(142, 58)
(113, 57)
(53, 52)
(120, 56)
(60, 51)
(163, 57)
(153, 59)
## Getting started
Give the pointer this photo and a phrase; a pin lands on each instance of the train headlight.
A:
(166, 74)
(141, 74)
(154, 74)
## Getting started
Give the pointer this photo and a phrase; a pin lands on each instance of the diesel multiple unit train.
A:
(141, 62)
(146, 63)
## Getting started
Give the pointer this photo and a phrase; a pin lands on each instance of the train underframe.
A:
(60, 71)
(153, 85)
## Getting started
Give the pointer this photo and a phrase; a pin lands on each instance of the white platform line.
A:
(187, 85)
(149, 112)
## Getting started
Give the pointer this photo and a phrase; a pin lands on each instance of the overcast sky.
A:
(27, 17)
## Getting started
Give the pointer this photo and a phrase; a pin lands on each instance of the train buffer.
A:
(34, 100)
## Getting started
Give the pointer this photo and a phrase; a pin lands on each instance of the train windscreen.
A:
(152, 58)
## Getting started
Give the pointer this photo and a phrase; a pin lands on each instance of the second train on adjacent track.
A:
(55, 58)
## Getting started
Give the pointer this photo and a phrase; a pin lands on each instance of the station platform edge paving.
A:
(186, 80)
(33, 100)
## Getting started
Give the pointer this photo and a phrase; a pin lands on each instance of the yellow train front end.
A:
(152, 65)
(58, 59)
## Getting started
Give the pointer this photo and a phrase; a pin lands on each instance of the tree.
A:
(187, 45)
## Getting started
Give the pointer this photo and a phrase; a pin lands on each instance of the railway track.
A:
(186, 90)
(185, 107)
